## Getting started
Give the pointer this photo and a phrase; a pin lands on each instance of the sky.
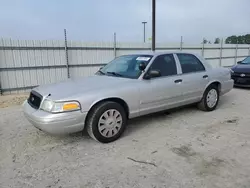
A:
(97, 20)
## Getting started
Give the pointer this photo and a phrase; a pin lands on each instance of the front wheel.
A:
(106, 122)
(210, 99)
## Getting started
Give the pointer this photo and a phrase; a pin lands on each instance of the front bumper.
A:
(59, 123)
(240, 81)
(241, 85)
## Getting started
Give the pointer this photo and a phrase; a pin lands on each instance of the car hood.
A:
(70, 87)
(241, 68)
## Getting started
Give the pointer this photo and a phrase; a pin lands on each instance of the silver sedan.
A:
(127, 87)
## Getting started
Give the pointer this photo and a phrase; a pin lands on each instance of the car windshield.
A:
(246, 61)
(125, 66)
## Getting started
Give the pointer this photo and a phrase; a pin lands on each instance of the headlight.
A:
(47, 105)
(55, 107)
(231, 71)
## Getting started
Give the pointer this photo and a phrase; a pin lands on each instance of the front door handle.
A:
(205, 76)
(178, 81)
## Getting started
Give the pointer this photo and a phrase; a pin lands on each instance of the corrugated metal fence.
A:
(28, 63)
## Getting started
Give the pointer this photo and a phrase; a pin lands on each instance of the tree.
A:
(247, 39)
(231, 40)
(205, 41)
(241, 39)
(216, 41)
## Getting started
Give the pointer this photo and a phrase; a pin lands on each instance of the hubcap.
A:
(110, 123)
(212, 98)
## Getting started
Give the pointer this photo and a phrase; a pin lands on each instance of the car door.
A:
(161, 92)
(194, 77)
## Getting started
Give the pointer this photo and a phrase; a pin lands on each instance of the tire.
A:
(104, 129)
(204, 103)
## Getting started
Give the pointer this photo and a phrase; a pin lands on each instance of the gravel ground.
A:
(185, 148)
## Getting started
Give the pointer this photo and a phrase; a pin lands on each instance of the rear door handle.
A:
(178, 81)
(205, 76)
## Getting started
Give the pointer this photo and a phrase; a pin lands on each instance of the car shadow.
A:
(138, 123)
(141, 122)
(224, 100)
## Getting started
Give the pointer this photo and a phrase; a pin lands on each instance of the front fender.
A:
(129, 96)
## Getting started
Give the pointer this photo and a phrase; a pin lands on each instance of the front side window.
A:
(190, 63)
(246, 61)
(165, 64)
(126, 66)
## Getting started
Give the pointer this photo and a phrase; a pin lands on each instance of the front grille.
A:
(241, 78)
(35, 99)
(239, 74)
(241, 81)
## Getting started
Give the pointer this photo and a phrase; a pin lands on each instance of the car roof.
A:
(201, 58)
(160, 53)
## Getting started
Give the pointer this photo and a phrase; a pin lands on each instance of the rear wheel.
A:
(107, 122)
(210, 99)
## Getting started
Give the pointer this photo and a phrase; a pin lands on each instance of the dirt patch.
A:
(12, 100)
(184, 151)
(215, 127)
(233, 120)
(211, 167)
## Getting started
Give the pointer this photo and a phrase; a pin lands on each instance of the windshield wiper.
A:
(115, 74)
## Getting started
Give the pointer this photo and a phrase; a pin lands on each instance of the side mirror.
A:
(142, 66)
(239, 62)
(101, 68)
(152, 74)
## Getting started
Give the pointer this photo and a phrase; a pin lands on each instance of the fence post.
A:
(202, 50)
(236, 53)
(181, 43)
(115, 45)
(221, 46)
(66, 52)
(1, 62)
(1, 92)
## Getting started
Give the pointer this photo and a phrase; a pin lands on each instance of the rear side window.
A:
(190, 63)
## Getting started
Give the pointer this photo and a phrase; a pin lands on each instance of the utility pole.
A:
(144, 31)
(114, 45)
(66, 52)
(153, 25)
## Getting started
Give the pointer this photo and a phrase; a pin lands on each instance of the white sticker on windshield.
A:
(143, 58)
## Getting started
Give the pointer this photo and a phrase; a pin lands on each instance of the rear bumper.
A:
(227, 86)
(60, 123)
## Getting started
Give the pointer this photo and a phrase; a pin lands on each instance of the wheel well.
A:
(113, 99)
(217, 84)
